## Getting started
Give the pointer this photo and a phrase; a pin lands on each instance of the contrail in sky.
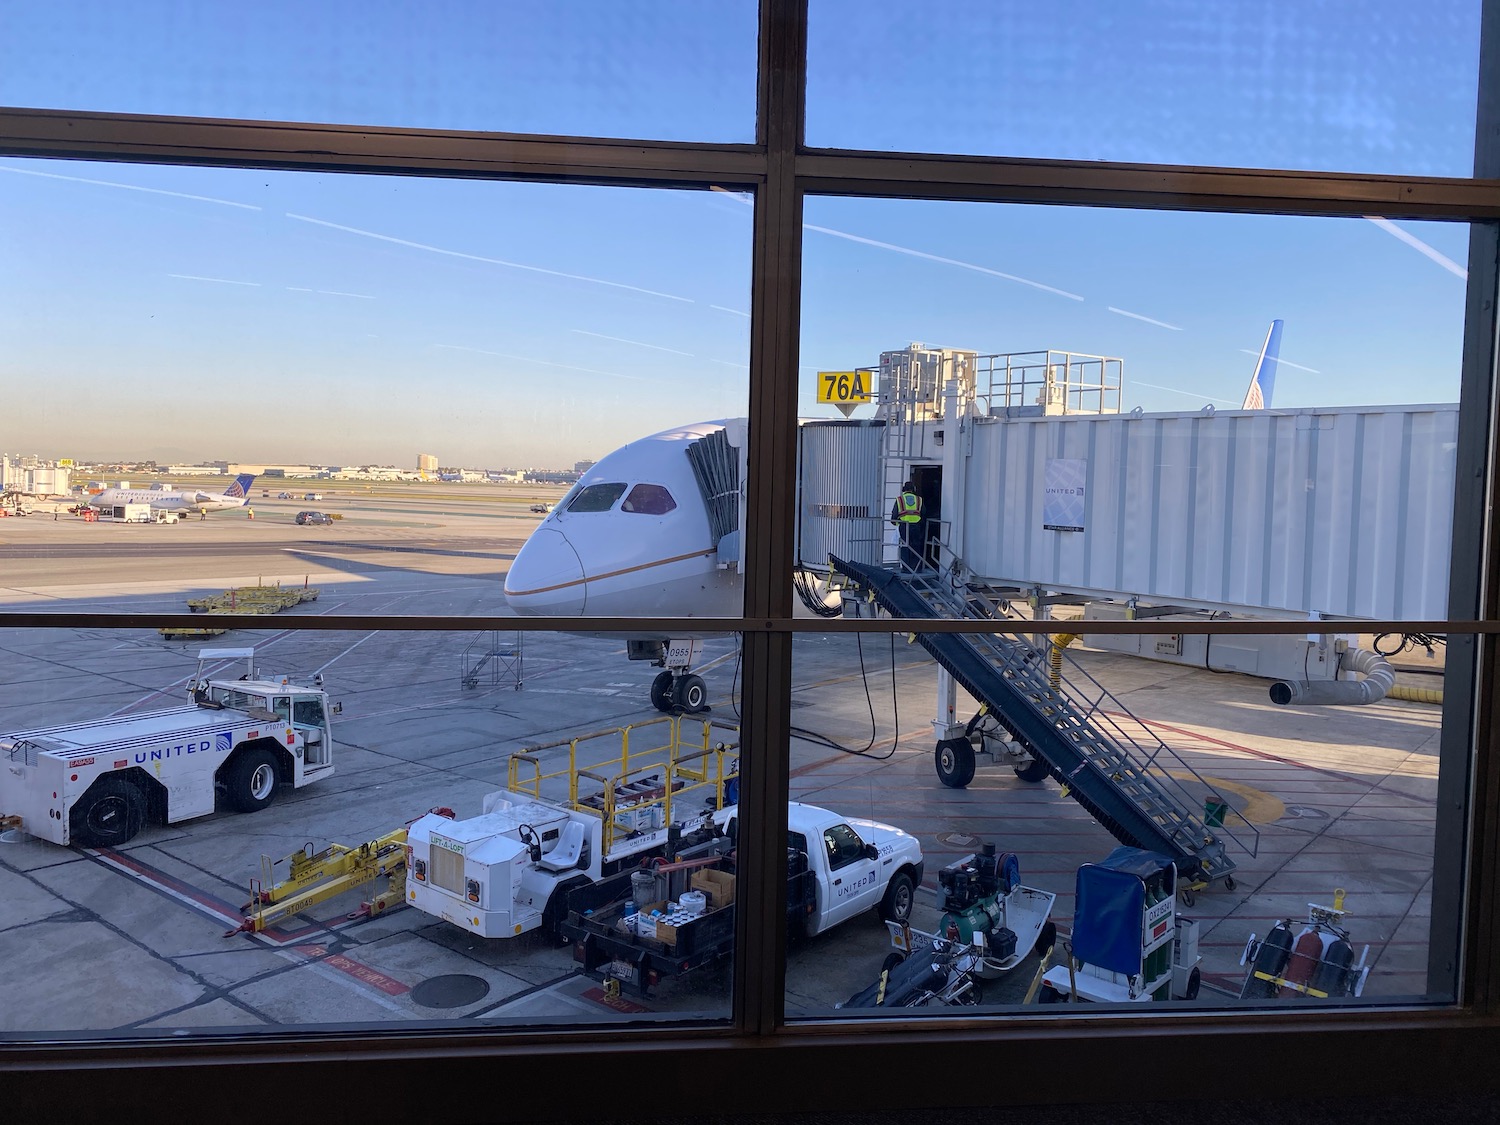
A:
(543, 362)
(130, 187)
(1419, 246)
(637, 343)
(1147, 319)
(939, 258)
(1178, 391)
(481, 258)
(218, 280)
(1285, 362)
(907, 250)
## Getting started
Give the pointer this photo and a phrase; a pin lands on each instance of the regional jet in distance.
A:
(178, 500)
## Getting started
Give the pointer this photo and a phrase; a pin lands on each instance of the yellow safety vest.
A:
(911, 507)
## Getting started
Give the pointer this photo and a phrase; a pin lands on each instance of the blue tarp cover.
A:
(1110, 904)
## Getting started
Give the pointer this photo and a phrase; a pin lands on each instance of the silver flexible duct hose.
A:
(1378, 678)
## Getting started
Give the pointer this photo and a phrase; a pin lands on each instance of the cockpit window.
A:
(597, 498)
(649, 499)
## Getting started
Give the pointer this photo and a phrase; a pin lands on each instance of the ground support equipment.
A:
(1107, 760)
(317, 877)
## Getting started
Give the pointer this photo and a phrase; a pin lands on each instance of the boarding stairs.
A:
(1109, 761)
(491, 658)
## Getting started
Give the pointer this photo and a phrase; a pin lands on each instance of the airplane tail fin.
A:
(241, 485)
(1258, 394)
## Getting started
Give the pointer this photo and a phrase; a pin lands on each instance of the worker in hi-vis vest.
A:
(906, 514)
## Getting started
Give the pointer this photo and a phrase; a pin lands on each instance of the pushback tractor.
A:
(237, 743)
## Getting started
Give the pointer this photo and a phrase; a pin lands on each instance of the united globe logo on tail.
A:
(241, 485)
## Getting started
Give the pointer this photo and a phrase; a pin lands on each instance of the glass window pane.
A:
(1155, 816)
(596, 498)
(419, 369)
(507, 810)
(1210, 419)
(1343, 87)
(672, 70)
(1279, 440)
(649, 500)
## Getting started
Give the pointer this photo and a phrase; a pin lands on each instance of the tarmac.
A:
(133, 940)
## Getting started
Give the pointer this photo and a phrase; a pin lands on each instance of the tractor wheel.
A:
(253, 780)
(110, 813)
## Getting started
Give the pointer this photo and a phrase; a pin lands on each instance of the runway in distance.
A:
(178, 500)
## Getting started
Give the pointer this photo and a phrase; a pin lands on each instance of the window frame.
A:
(787, 1068)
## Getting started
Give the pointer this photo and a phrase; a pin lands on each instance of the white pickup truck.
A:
(513, 868)
(837, 867)
(95, 784)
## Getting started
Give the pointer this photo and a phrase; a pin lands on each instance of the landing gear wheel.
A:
(661, 691)
(111, 813)
(690, 694)
(896, 906)
(1034, 770)
(954, 759)
(253, 780)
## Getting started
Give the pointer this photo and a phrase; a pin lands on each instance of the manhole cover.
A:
(958, 839)
(1301, 812)
(451, 991)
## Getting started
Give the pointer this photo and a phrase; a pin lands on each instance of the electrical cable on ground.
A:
(823, 739)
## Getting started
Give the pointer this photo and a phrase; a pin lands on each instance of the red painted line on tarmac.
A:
(616, 1004)
(389, 985)
(190, 895)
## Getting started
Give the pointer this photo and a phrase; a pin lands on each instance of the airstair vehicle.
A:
(1108, 760)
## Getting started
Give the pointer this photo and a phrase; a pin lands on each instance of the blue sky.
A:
(183, 313)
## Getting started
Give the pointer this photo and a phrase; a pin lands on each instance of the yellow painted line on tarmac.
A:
(1260, 806)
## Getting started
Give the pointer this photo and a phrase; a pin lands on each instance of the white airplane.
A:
(178, 500)
(639, 536)
(635, 537)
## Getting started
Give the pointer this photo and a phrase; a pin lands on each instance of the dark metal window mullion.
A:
(775, 312)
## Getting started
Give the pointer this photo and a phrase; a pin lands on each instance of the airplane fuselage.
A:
(631, 539)
(237, 495)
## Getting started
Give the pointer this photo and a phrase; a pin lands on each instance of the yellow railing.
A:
(681, 753)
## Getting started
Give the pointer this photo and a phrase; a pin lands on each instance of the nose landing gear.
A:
(671, 692)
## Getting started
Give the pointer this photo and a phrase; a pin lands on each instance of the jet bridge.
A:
(1110, 762)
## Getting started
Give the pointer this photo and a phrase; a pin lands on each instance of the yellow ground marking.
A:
(1260, 806)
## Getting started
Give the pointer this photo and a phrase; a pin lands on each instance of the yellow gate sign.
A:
(844, 389)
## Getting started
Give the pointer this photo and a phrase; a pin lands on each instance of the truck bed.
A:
(602, 946)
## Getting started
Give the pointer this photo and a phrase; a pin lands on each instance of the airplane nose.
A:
(546, 576)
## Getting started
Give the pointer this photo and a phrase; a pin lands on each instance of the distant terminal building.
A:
(427, 463)
(581, 467)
